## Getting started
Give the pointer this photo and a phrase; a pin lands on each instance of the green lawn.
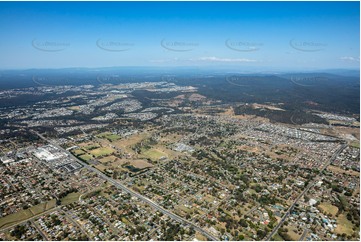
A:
(109, 136)
(113, 137)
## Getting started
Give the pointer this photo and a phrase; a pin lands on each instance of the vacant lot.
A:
(140, 164)
(200, 237)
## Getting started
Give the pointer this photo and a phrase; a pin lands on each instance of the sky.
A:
(263, 35)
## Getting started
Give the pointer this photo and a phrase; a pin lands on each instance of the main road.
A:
(119, 185)
(310, 184)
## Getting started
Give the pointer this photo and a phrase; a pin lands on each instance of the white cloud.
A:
(216, 59)
(350, 58)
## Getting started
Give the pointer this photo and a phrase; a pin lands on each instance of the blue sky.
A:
(264, 35)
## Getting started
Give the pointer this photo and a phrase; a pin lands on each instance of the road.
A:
(310, 184)
(119, 185)
(39, 230)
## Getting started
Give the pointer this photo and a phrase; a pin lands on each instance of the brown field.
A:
(141, 164)
(230, 112)
(270, 107)
(346, 130)
(101, 167)
(196, 97)
(126, 143)
(118, 163)
(328, 208)
(200, 237)
(294, 236)
(343, 225)
(276, 156)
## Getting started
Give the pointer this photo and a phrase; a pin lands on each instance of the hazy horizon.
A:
(289, 36)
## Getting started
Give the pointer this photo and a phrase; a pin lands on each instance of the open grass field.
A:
(85, 157)
(42, 207)
(91, 146)
(293, 235)
(15, 217)
(70, 198)
(26, 214)
(183, 210)
(51, 204)
(110, 158)
(101, 167)
(102, 151)
(328, 208)
(78, 152)
(126, 143)
(118, 164)
(343, 225)
(355, 144)
(169, 153)
(153, 154)
(277, 237)
(109, 136)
